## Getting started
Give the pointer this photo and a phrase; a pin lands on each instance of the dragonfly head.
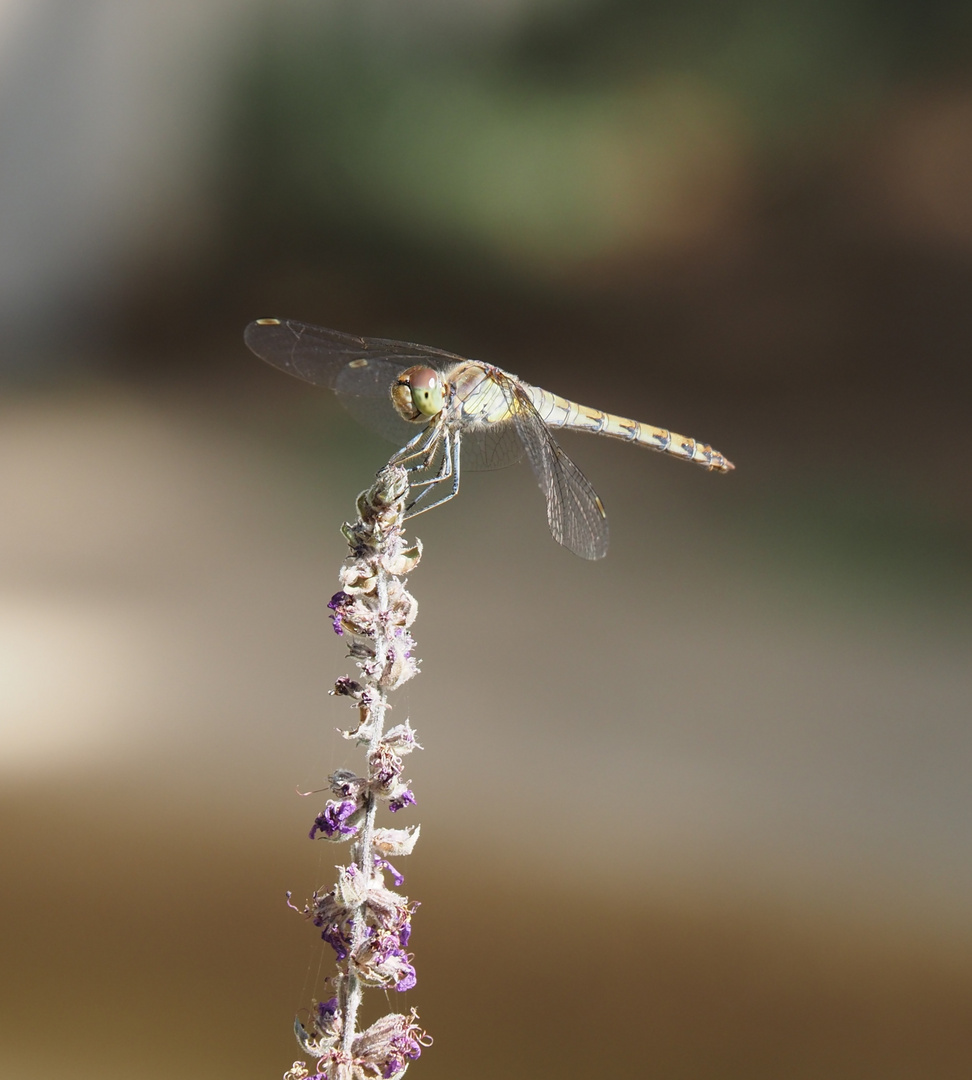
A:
(419, 394)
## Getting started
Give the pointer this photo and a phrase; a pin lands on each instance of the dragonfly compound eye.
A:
(427, 391)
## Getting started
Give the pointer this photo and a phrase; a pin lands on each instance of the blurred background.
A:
(701, 810)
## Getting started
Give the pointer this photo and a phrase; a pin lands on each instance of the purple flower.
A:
(401, 801)
(327, 1010)
(395, 963)
(337, 604)
(384, 864)
(395, 1063)
(339, 940)
(407, 979)
(332, 819)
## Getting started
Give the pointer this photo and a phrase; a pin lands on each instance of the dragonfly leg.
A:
(423, 450)
(450, 467)
(422, 446)
(443, 473)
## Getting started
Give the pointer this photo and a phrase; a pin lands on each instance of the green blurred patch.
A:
(579, 130)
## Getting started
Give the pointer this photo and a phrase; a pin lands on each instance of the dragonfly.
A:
(469, 413)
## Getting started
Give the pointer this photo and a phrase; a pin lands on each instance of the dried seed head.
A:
(345, 783)
(401, 739)
(352, 886)
(393, 842)
(381, 961)
(390, 1043)
(347, 687)
(403, 562)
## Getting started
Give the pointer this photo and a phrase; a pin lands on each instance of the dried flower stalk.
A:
(367, 924)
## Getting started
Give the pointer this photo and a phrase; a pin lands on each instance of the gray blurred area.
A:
(696, 812)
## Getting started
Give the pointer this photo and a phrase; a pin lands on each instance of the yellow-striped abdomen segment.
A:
(559, 412)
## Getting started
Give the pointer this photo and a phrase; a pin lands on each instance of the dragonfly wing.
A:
(491, 446)
(360, 370)
(575, 514)
(318, 355)
(365, 391)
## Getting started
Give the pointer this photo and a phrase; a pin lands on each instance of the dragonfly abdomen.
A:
(560, 412)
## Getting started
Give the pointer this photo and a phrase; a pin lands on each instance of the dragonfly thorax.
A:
(419, 393)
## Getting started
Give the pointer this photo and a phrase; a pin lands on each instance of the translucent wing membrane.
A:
(491, 447)
(365, 391)
(360, 370)
(574, 512)
(318, 356)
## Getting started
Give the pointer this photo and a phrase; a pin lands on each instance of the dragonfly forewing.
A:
(360, 371)
(318, 355)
